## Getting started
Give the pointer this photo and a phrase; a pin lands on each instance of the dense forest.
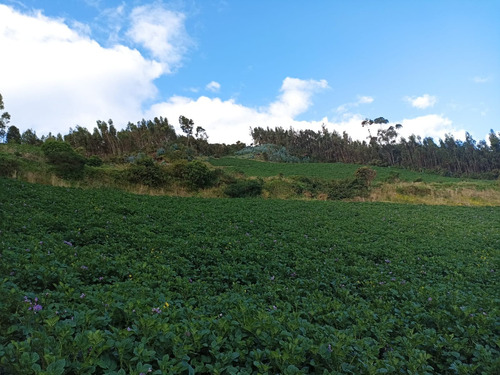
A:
(448, 156)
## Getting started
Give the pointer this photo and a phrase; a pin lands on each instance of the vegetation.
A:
(67, 163)
(256, 168)
(178, 286)
(449, 157)
(99, 281)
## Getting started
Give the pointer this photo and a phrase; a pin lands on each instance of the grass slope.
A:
(321, 170)
(99, 281)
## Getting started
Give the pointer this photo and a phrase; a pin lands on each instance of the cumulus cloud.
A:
(295, 97)
(66, 78)
(434, 126)
(161, 32)
(422, 102)
(213, 86)
(227, 121)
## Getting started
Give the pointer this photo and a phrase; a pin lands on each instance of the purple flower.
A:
(129, 329)
(84, 268)
(82, 295)
(156, 310)
(37, 307)
(101, 278)
(387, 261)
(67, 243)
(330, 348)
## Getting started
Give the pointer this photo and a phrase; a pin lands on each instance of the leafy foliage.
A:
(145, 171)
(13, 135)
(67, 163)
(270, 152)
(448, 156)
(8, 165)
(94, 161)
(243, 286)
(244, 189)
(195, 174)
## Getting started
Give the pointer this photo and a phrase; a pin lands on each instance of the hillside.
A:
(237, 176)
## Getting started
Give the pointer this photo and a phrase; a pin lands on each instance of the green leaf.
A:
(56, 368)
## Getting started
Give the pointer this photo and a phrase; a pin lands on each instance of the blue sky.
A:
(433, 66)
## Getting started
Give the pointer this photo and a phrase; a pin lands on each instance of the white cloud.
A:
(161, 32)
(365, 99)
(213, 86)
(228, 121)
(422, 102)
(295, 97)
(434, 126)
(481, 79)
(66, 78)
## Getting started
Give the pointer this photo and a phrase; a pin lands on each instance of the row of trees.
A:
(448, 156)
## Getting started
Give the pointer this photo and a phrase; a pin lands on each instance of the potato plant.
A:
(104, 282)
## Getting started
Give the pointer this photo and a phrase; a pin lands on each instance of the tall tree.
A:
(29, 137)
(187, 126)
(4, 119)
(13, 135)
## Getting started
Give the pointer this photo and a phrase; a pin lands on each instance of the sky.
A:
(229, 65)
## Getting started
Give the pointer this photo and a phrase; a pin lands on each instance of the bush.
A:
(94, 161)
(343, 189)
(145, 171)
(67, 163)
(244, 189)
(8, 166)
(416, 190)
(365, 176)
(195, 174)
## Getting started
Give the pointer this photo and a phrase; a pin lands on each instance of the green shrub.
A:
(67, 163)
(365, 176)
(146, 172)
(94, 161)
(195, 174)
(8, 165)
(417, 190)
(343, 189)
(244, 189)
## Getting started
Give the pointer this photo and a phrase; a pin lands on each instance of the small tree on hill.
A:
(13, 135)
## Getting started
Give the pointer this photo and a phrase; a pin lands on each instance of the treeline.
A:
(448, 157)
(145, 136)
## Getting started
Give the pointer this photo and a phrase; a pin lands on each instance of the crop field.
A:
(322, 170)
(104, 282)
